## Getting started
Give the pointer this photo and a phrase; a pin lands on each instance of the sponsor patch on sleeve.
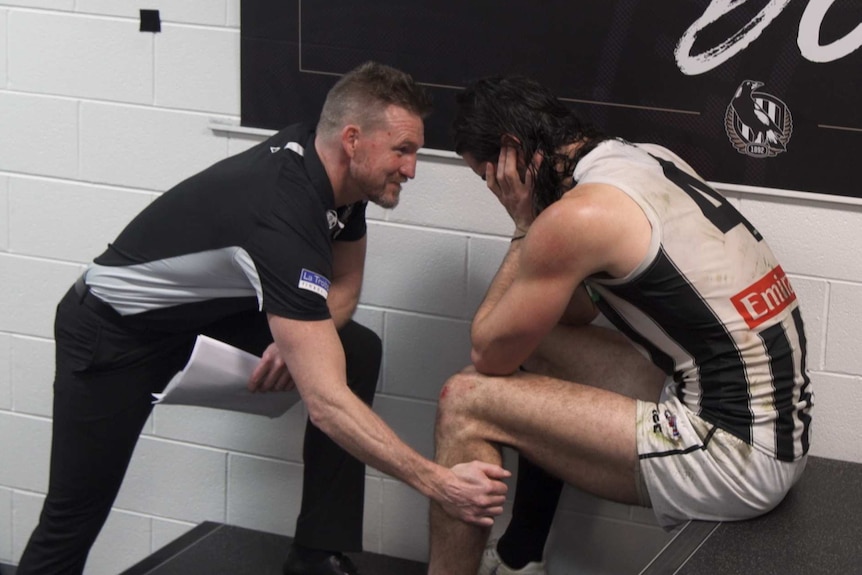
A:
(314, 282)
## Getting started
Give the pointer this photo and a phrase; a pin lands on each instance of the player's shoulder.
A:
(587, 204)
(589, 222)
(573, 223)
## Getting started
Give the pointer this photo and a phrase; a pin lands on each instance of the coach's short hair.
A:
(362, 95)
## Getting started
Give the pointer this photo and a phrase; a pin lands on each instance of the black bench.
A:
(816, 529)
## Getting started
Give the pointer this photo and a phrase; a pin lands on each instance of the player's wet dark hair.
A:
(365, 92)
(493, 107)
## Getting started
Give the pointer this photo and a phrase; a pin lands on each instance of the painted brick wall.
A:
(97, 119)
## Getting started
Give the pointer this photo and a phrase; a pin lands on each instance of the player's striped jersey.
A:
(709, 303)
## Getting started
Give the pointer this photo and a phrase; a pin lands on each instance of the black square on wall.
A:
(150, 21)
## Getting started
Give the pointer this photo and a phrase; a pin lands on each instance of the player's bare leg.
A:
(584, 435)
(473, 417)
(599, 357)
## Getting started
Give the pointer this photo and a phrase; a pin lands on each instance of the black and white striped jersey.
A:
(710, 303)
(252, 231)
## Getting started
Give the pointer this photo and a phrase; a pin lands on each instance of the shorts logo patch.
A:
(314, 282)
(670, 419)
(666, 426)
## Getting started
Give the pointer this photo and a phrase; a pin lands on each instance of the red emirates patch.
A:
(765, 298)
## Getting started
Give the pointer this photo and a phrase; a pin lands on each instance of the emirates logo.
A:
(765, 298)
(758, 124)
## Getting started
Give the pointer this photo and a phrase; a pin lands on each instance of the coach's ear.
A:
(350, 139)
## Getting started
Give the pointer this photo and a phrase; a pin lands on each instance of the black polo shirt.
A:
(253, 231)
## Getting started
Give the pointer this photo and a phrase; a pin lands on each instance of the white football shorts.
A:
(691, 469)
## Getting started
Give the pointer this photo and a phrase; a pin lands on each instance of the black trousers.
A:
(106, 370)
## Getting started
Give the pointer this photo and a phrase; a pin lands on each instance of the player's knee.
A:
(457, 398)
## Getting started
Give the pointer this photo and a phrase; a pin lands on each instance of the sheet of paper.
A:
(216, 375)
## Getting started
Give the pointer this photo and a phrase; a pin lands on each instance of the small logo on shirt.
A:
(332, 219)
(314, 282)
(765, 298)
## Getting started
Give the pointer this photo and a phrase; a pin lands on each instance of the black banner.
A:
(754, 92)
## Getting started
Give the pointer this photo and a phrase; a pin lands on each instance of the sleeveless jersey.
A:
(709, 303)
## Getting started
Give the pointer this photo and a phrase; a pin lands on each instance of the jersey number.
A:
(722, 215)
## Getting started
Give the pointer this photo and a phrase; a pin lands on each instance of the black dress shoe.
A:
(335, 564)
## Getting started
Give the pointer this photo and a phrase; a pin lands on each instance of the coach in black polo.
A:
(264, 250)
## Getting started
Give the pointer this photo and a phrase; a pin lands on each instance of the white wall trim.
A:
(225, 129)
(222, 128)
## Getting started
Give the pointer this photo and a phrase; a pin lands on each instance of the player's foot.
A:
(493, 565)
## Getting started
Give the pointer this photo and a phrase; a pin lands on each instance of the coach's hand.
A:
(271, 373)
(475, 493)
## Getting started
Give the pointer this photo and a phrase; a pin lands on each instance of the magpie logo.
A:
(757, 123)
(331, 218)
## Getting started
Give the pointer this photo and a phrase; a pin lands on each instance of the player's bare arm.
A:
(594, 228)
(581, 309)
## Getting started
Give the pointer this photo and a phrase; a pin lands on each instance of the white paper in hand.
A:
(217, 375)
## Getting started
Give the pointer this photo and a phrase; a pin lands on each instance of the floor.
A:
(218, 549)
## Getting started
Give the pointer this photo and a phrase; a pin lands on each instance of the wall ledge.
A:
(221, 128)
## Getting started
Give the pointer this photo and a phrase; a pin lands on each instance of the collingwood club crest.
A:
(758, 124)
(336, 219)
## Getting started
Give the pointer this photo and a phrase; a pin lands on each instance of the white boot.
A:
(493, 565)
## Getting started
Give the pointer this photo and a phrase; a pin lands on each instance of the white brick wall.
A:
(5, 522)
(100, 213)
(842, 353)
(80, 56)
(40, 135)
(143, 147)
(4, 213)
(203, 12)
(97, 118)
(263, 492)
(25, 515)
(24, 450)
(417, 344)
(3, 42)
(211, 56)
(165, 531)
(416, 269)
(31, 361)
(5, 373)
(28, 286)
